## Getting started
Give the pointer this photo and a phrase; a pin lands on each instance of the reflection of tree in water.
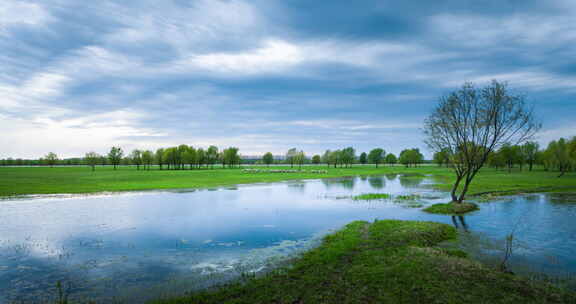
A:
(363, 178)
(297, 187)
(377, 182)
(411, 181)
(562, 198)
(347, 183)
(391, 176)
(459, 221)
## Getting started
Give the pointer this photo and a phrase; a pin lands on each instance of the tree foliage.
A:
(268, 158)
(115, 156)
(472, 122)
(376, 156)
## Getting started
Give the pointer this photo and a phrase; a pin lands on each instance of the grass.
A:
(371, 196)
(388, 261)
(407, 197)
(452, 208)
(44, 180)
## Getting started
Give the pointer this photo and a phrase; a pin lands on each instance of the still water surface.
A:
(137, 245)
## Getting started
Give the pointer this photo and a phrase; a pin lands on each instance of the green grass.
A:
(371, 196)
(452, 208)
(388, 261)
(44, 180)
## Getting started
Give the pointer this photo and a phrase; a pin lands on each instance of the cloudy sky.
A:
(267, 75)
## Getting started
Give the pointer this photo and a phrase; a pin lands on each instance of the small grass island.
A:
(452, 208)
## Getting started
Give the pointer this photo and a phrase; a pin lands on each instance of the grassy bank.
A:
(385, 262)
(44, 180)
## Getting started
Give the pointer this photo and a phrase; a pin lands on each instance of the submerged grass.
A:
(388, 261)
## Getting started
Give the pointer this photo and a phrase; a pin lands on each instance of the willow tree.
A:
(472, 122)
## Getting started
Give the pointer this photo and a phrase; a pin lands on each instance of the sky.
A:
(268, 75)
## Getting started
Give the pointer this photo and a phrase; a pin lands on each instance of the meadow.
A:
(15, 181)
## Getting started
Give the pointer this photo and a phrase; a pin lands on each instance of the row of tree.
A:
(176, 158)
(559, 155)
(187, 157)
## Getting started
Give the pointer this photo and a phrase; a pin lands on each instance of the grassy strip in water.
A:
(388, 261)
(452, 208)
(408, 197)
(371, 196)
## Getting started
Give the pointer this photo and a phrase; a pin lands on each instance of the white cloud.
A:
(273, 56)
(33, 91)
(72, 137)
(15, 13)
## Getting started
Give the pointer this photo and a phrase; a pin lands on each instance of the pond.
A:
(136, 246)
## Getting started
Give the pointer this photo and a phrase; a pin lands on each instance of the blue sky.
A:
(268, 75)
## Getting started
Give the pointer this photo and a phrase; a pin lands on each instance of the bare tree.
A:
(472, 122)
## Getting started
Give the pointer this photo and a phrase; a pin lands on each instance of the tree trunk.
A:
(454, 188)
(463, 193)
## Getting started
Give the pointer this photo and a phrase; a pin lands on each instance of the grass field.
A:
(45, 180)
(388, 261)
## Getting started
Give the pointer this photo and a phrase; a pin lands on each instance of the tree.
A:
(442, 157)
(212, 155)
(268, 158)
(299, 159)
(471, 123)
(376, 155)
(363, 158)
(159, 157)
(348, 156)
(326, 157)
(200, 157)
(115, 156)
(291, 156)
(496, 160)
(509, 154)
(230, 156)
(558, 155)
(391, 159)
(189, 157)
(316, 159)
(92, 159)
(529, 152)
(147, 159)
(334, 157)
(136, 158)
(51, 159)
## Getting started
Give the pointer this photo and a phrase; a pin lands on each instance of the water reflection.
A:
(411, 181)
(162, 242)
(459, 221)
(377, 182)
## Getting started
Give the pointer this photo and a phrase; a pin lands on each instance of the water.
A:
(163, 243)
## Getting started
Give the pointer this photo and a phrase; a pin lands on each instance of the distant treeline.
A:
(559, 155)
(187, 157)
